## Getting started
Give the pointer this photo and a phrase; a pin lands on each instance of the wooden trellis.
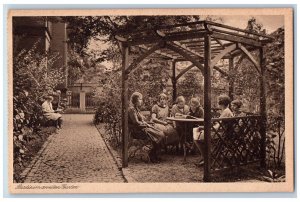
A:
(203, 43)
(236, 142)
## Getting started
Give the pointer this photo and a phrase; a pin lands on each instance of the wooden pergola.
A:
(204, 44)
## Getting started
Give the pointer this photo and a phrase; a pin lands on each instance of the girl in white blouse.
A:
(49, 113)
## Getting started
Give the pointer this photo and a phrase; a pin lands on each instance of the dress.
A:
(185, 111)
(238, 113)
(226, 124)
(140, 129)
(175, 109)
(226, 113)
(49, 112)
(199, 113)
(162, 113)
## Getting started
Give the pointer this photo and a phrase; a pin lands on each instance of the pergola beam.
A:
(250, 57)
(237, 29)
(237, 64)
(154, 39)
(222, 54)
(159, 52)
(221, 71)
(185, 55)
(134, 64)
(236, 39)
(192, 65)
(184, 71)
(187, 49)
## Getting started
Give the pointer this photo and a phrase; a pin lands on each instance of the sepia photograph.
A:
(150, 100)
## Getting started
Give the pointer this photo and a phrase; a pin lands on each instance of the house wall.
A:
(45, 35)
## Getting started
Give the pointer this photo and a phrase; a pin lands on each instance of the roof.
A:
(169, 41)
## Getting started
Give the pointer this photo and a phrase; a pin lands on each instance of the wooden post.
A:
(263, 108)
(124, 106)
(231, 78)
(207, 106)
(174, 81)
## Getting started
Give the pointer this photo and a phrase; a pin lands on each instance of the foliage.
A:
(109, 110)
(34, 77)
(275, 142)
(190, 85)
(85, 31)
(274, 60)
(103, 28)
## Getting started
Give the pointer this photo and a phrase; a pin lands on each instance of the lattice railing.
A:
(235, 141)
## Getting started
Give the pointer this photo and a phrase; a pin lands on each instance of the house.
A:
(48, 34)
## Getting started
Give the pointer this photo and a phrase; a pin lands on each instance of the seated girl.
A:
(180, 108)
(50, 114)
(223, 102)
(140, 129)
(196, 111)
(159, 113)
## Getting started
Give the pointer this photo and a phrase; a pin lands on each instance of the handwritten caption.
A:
(62, 186)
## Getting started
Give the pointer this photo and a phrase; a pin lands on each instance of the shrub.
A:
(34, 77)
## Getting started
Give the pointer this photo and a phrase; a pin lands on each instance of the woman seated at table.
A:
(223, 102)
(140, 129)
(180, 108)
(159, 113)
(196, 111)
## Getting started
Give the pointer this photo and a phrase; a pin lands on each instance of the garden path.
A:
(76, 154)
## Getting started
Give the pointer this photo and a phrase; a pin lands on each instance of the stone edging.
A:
(34, 161)
(116, 158)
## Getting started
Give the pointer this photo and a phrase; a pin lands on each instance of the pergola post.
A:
(124, 106)
(263, 108)
(207, 106)
(231, 79)
(174, 81)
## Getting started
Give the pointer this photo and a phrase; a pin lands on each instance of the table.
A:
(185, 122)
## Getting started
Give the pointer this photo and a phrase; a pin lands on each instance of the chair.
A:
(138, 148)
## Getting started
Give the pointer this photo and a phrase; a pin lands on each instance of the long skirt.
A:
(52, 116)
(154, 134)
(144, 133)
(171, 135)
